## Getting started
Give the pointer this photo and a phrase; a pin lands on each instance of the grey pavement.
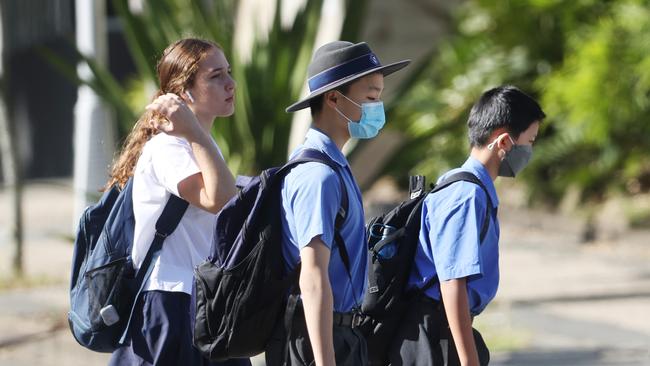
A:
(560, 302)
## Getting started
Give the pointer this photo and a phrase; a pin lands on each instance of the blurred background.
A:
(575, 236)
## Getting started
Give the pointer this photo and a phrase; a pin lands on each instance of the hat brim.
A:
(384, 69)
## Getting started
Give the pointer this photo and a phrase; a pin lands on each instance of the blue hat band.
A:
(336, 73)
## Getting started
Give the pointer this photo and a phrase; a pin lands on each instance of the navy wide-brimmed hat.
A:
(338, 63)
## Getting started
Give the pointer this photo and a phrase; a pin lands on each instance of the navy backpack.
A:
(241, 291)
(104, 285)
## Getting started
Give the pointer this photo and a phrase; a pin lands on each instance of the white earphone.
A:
(189, 96)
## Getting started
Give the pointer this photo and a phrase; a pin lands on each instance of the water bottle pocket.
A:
(384, 241)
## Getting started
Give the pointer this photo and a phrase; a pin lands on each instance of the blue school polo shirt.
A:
(311, 198)
(449, 245)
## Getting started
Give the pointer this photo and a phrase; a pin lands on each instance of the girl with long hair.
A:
(170, 151)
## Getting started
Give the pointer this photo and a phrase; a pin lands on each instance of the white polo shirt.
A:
(165, 162)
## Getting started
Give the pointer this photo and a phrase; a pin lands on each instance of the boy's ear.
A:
(499, 139)
(330, 98)
(500, 134)
(504, 141)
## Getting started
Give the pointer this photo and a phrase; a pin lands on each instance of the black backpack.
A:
(241, 290)
(104, 285)
(386, 298)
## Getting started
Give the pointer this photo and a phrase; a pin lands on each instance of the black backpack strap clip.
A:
(417, 186)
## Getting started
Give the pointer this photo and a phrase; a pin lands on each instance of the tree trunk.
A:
(13, 184)
(11, 171)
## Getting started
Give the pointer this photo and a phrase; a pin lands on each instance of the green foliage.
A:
(271, 81)
(256, 136)
(586, 61)
(598, 99)
(102, 82)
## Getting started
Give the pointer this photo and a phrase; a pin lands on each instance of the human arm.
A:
(455, 225)
(454, 297)
(214, 185)
(312, 196)
(317, 300)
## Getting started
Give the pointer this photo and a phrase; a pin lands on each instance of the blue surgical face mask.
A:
(515, 160)
(372, 119)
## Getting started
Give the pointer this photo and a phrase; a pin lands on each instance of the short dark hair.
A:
(503, 106)
(316, 104)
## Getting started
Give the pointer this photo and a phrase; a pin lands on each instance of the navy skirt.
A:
(160, 334)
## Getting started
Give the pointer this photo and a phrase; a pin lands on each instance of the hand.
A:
(180, 120)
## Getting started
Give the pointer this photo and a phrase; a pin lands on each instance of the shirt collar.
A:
(476, 167)
(317, 139)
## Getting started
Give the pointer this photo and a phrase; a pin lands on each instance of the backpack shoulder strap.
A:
(467, 177)
(307, 156)
(313, 155)
(167, 222)
(165, 225)
(316, 156)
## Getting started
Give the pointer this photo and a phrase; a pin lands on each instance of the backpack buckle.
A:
(158, 234)
(417, 185)
(357, 319)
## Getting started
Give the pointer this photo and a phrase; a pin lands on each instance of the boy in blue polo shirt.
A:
(464, 269)
(346, 81)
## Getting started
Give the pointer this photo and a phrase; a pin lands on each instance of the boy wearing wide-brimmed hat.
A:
(346, 81)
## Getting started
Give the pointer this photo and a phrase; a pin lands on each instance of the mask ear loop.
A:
(343, 115)
(501, 154)
(491, 145)
(351, 101)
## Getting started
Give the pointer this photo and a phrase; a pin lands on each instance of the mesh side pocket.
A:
(104, 288)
